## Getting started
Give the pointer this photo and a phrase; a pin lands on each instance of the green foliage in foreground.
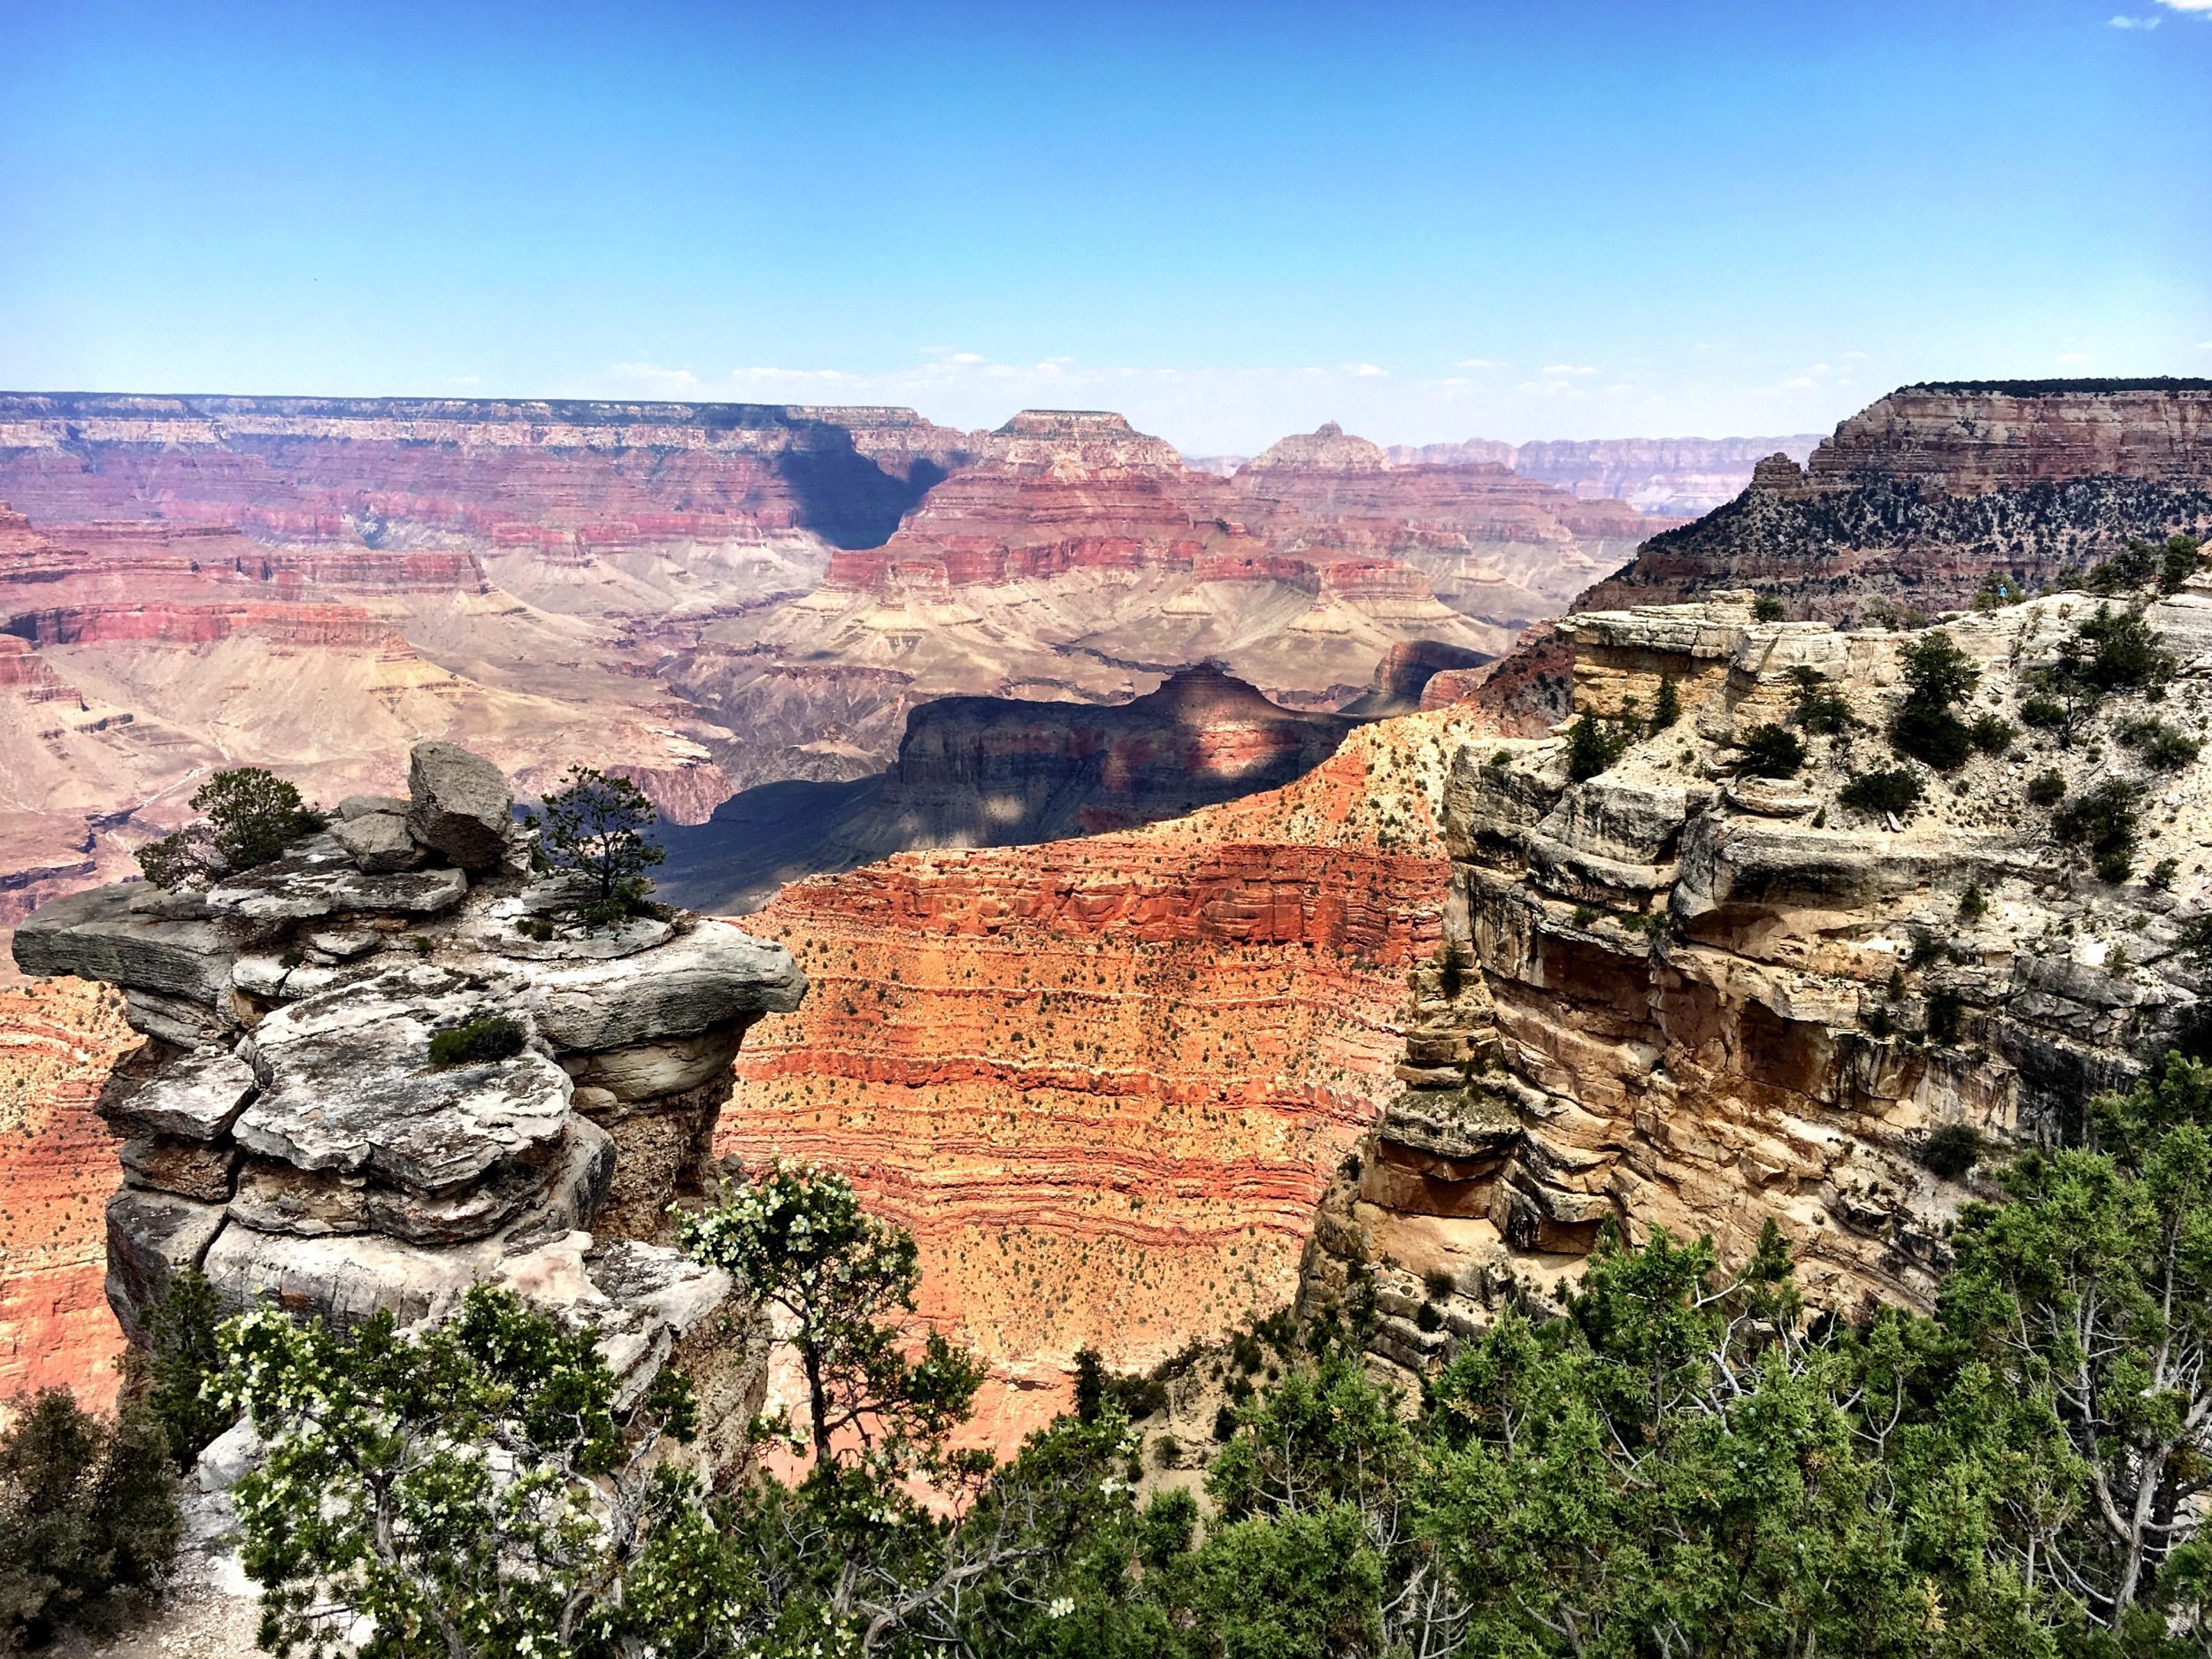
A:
(1684, 1461)
(595, 833)
(250, 817)
(87, 1516)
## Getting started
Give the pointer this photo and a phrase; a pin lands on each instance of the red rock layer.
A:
(1105, 1079)
(58, 1041)
(1973, 437)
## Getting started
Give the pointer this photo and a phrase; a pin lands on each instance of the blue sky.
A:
(1229, 221)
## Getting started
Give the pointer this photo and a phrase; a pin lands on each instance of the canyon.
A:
(1677, 476)
(1382, 1000)
(1917, 500)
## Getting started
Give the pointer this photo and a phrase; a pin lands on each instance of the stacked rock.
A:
(287, 1130)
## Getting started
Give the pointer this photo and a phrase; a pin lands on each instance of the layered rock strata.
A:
(1104, 1081)
(288, 1129)
(1679, 995)
(1919, 498)
(978, 772)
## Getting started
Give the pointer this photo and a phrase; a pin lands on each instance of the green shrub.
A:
(1945, 1010)
(2042, 711)
(535, 927)
(1990, 735)
(1167, 1452)
(1877, 1021)
(2162, 745)
(2102, 821)
(2131, 567)
(1437, 1283)
(2184, 555)
(1973, 904)
(487, 1038)
(1451, 969)
(1938, 674)
(1666, 708)
(250, 817)
(1893, 790)
(175, 1368)
(88, 1520)
(1772, 751)
(2046, 788)
(2117, 650)
(1820, 709)
(1951, 1149)
(1593, 744)
(2163, 871)
(1767, 608)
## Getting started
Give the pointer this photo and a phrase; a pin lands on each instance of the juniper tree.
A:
(593, 832)
(250, 817)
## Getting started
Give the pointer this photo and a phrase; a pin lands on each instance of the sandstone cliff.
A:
(288, 1129)
(1674, 477)
(1681, 995)
(1104, 1081)
(1918, 498)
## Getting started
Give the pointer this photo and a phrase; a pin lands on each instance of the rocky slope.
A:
(1684, 996)
(286, 1128)
(1673, 477)
(980, 772)
(1918, 498)
(1105, 1079)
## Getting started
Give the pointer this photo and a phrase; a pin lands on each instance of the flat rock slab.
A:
(696, 979)
(460, 804)
(320, 879)
(496, 929)
(197, 1098)
(103, 934)
(275, 1197)
(347, 1087)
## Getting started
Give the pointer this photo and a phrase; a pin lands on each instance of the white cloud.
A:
(653, 378)
(1569, 368)
(1365, 371)
(2126, 22)
(965, 357)
(2195, 8)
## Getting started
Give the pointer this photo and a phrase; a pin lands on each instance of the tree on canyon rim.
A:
(250, 817)
(593, 832)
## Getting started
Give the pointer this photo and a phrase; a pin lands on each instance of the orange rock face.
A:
(1104, 1081)
(58, 1041)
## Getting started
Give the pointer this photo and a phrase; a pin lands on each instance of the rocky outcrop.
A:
(1403, 676)
(1678, 996)
(289, 1129)
(1917, 500)
(976, 771)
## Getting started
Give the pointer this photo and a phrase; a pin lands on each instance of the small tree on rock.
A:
(595, 831)
(250, 817)
(797, 1237)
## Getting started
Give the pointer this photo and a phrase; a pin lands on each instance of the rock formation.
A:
(1918, 498)
(1674, 477)
(983, 772)
(1684, 996)
(288, 1127)
(1104, 1081)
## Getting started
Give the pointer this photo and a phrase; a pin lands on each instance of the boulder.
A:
(459, 806)
(378, 841)
(195, 1098)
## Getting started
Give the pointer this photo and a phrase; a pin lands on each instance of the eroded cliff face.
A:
(289, 1127)
(1918, 499)
(994, 771)
(1104, 1081)
(1682, 996)
(1672, 477)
